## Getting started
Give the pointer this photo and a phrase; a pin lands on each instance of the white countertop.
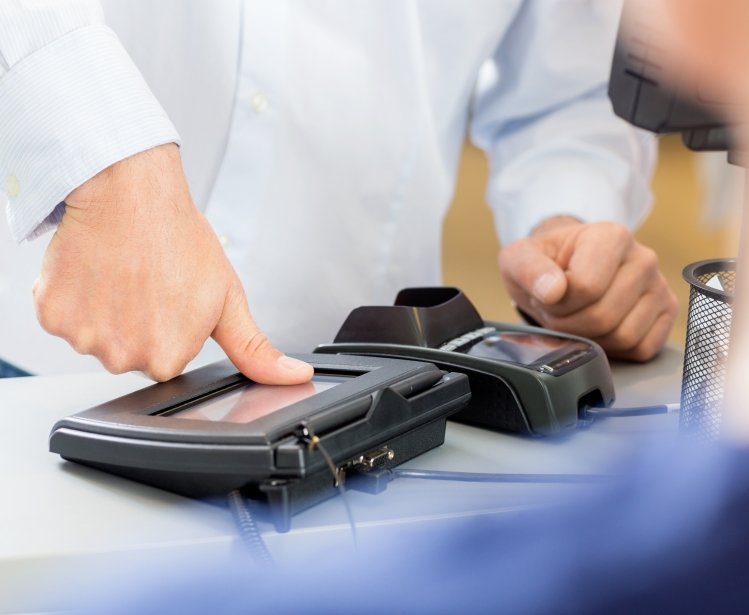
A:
(60, 519)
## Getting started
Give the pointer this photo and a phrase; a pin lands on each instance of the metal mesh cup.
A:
(706, 350)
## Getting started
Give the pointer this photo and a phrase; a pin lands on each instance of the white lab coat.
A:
(321, 139)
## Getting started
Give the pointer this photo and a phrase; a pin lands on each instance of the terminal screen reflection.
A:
(253, 401)
(523, 348)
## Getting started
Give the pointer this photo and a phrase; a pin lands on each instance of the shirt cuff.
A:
(68, 111)
(565, 187)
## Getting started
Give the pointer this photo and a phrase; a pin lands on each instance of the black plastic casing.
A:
(644, 95)
(402, 405)
(538, 399)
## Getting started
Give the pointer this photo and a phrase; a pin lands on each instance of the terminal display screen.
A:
(253, 401)
(524, 348)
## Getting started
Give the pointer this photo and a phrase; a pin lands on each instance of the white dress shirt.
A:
(321, 138)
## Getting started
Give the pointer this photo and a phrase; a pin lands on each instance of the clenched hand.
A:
(593, 280)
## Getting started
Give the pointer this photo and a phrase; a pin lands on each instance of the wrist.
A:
(157, 163)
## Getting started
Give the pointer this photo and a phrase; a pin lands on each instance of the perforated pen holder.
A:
(706, 350)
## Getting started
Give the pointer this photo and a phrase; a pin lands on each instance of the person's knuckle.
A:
(115, 362)
(589, 289)
(669, 306)
(626, 337)
(673, 308)
(47, 312)
(84, 340)
(597, 322)
(617, 232)
(38, 289)
(49, 319)
(648, 259)
(163, 369)
(645, 350)
(118, 354)
(622, 232)
(168, 356)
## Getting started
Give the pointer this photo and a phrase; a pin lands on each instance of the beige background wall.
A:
(681, 228)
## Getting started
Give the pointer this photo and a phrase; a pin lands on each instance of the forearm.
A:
(580, 162)
(543, 116)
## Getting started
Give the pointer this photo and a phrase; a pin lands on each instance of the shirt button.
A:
(258, 103)
(223, 240)
(12, 186)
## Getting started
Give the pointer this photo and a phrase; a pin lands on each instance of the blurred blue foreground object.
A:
(669, 536)
(8, 370)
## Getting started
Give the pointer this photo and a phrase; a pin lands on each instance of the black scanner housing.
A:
(396, 407)
(542, 398)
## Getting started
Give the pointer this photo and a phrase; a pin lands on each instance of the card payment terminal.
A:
(523, 379)
(212, 431)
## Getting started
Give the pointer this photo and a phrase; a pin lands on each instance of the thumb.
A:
(529, 268)
(249, 349)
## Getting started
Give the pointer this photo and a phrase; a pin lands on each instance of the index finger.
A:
(249, 349)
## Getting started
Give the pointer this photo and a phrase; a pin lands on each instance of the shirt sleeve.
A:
(542, 114)
(71, 104)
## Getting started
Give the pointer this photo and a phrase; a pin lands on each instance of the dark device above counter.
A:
(523, 379)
